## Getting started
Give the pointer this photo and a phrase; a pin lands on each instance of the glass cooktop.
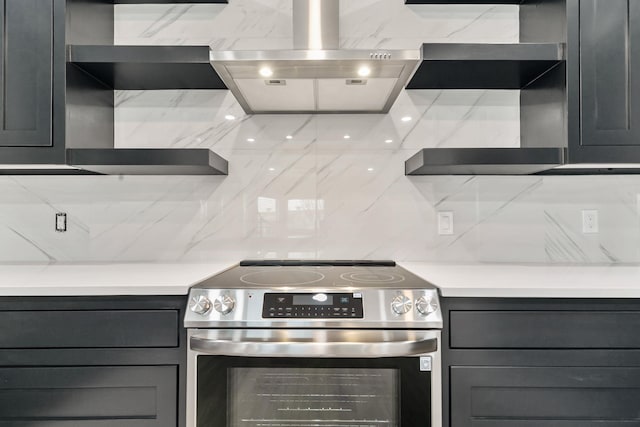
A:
(315, 274)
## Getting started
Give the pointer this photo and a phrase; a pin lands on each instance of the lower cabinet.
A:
(92, 362)
(144, 396)
(545, 397)
(541, 363)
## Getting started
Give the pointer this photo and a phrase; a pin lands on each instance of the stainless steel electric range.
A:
(314, 343)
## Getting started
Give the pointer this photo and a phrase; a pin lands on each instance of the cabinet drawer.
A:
(545, 329)
(131, 396)
(544, 397)
(89, 329)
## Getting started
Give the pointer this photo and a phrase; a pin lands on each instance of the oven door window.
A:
(312, 396)
(254, 392)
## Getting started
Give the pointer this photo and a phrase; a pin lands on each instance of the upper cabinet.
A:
(606, 82)
(27, 72)
(59, 71)
(32, 82)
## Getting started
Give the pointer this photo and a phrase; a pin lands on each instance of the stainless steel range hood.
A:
(316, 76)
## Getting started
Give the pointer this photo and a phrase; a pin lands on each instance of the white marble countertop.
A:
(104, 279)
(531, 281)
(454, 280)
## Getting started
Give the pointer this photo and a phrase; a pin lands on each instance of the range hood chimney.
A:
(316, 76)
(316, 24)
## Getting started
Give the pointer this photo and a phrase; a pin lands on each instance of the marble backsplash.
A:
(317, 194)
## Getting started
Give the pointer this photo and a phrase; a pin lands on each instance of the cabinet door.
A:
(609, 67)
(123, 396)
(26, 76)
(544, 396)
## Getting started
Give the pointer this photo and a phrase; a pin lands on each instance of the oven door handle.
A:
(314, 343)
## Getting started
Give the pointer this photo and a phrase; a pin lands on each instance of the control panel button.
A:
(401, 304)
(426, 305)
(224, 304)
(200, 304)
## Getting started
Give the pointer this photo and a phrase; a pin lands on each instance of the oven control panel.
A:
(313, 308)
(312, 305)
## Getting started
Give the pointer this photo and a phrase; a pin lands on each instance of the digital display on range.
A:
(313, 299)
(313, 305)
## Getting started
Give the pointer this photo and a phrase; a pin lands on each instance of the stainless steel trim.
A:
(436, 376)
(315, 64)
(331, 57)
(316, 24)
(313, 343)
(378, 313)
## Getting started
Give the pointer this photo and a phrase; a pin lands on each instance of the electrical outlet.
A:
(61, 222)
(445, 223)
(590, 221)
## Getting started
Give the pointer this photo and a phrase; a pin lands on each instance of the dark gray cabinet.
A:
(127, 396)
(609, 86)
(27, 72)
(32, 127)
(168, 1)
(541, 362)
(92, 361)
(545, 396)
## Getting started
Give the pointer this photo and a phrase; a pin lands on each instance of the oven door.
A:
(314, 378)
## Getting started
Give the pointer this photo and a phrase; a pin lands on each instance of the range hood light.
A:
(364, 71)
(266, 72)
(406, 119)
(289, 137)
(347, 137)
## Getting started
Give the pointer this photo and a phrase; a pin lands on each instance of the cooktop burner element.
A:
(314, 294)
(378, 278)
(276, 277)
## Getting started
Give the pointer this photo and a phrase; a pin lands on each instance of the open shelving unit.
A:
(147, 67)
(464, 2)
(149, 161)
(484, 161)
(96, 67)
(169, 1)
(536, 67)
(484, 66)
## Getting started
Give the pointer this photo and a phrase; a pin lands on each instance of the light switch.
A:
(61, 222)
